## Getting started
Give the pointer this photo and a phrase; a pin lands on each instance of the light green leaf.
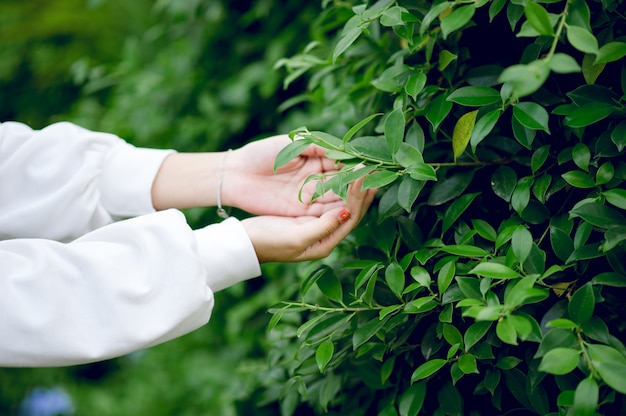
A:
(506, 331)
(563, 64)
(290, 152)
(616, 197)
(559, 361)
(346, 40)
(586, 397)
(463, 132)
(445, 276)
(538, 18)
(494, 271)
(581, 305)
(521, 243)
(581, 39)
(358, 127)
(484, 126)
(525, 79)
(611, 52)
(579, 179)
(610, 364)
(379, 179)
(457, 19)
(581, 156)
(427, 369)
(394, 130)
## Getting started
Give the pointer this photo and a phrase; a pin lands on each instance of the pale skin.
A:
(285, 228)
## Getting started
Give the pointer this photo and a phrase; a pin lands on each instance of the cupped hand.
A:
(307, 237)
(250, 183)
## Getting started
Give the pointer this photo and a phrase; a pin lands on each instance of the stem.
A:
(344, 309)
(559, 30)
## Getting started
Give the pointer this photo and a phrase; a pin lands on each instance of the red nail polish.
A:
(345, 215)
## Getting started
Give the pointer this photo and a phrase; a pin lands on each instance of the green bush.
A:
(489, 277)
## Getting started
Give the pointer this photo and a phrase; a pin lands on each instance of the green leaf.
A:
(541, 186)
(532, 116)
(581, 156)
(445, 58)
(437, 110)
(525, 79)
(452, 335)
(609, 279)
(605, 173)
(612, 237)
(324, 354)
(581, 305)
(538, 18)
(457, 19)
(475, 96)
(591, 71)
(463, 132)
(562, 323)
(539, 158)
(427, 369)
(408, 191)
(367, 331)
(421, 276)
(412, 400)
(610, 364)
(503, 182)
(598, 215)
(610, 52)
(588, 114)
(422, 172)
(581, 39)
(465, 250)
(456, 209)
(563, 64)
(394, 276)
(521, 243)
(450, 188)
(506, 331)
(484, 126)
(290, 152)
(559, 361)
(346, 40)
(358, 127)
(467, 364)
(586, 397)
(618, 135)
(484, 229)
(475, 333)
(494, 271)
(616, 197)
(445, 276)
(379, 179)
(521, 194)
(561, 243)
(394, 130)
(415, 84)
(579, 179)
(433, 13)
(330, 286)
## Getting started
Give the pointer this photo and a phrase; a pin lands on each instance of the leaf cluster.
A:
(488, 277)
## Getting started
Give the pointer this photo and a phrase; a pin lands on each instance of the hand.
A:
(249, 181)
(287, 239)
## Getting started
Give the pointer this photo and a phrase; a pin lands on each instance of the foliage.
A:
(489, 277)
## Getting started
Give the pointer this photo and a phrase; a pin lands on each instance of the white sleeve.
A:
(123, 287)
(63, 181)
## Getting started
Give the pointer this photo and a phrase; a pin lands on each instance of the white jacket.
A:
(79, 284)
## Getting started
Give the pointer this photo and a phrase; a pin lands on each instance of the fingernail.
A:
(344, 215)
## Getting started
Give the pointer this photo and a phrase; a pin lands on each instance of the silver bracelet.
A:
(221, 211)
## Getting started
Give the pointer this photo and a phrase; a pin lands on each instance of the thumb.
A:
(324, 233)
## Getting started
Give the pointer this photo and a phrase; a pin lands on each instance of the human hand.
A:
(307, 237)
(250, 183)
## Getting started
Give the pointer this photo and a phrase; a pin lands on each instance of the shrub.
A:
(488, 278)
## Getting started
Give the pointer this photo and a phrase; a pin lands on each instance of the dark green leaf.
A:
(415, 84)
(532, 116)
(609, 279)
(484, 229)
(324, 354)
(379, 179)
(521, 194)
(394, 130)
(330, 286)
(605, 173)
(456, 209)
(394, 276)
(598, 215)
(445, 276)
(475, 333)
(358, 127)
(618, 136)
(367, 331)
(582, 303)
(412, 400)
(521, 243)
(503, 182)
(616, 197)
(588, 114)
(437, 110)
(539, 158)
(450, 188)
(581, 156)
(483, 127)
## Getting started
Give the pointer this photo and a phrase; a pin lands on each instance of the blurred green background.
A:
(186, 74)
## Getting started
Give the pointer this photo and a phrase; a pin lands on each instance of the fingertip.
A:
(344, 215)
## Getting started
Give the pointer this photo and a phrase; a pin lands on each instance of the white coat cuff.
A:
(127, 177)
(228, 254)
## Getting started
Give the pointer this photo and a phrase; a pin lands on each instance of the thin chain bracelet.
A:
(221, 211)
